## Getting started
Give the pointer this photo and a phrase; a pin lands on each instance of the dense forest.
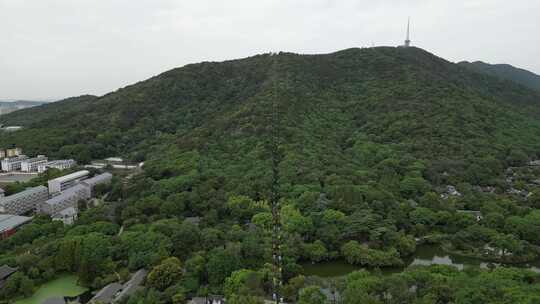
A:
(379, 149)
(505, 71)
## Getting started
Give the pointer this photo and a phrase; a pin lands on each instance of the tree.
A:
(316, 251)
(311, 295)
(243, 283)
(221, 263)
(165, 274)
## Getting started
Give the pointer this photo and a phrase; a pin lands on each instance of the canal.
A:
(425, 255)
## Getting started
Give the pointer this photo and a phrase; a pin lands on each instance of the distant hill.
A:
(11, 106)
(505, 71)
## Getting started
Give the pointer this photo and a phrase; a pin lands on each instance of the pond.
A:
(64, 286)
(424, 255)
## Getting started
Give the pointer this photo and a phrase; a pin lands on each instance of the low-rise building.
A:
(65, 199)
(101, 179)
(61, 164)
(68, 216)
(32, 164)
(9, 224)
(25, 201)
(13, 163)
(116, 292)
(13, 152)
(5, 273)
(65, 182)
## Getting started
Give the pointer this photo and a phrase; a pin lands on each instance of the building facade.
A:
(32, 164)
(101, 179)
(68, 216)
(11, 164)
(65, 182)
(67, 198)
(57, 164)
(13, 152)
(25, 201)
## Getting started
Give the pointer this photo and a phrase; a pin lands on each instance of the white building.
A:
(25, 201)
(32, 164)
(13, 163)
(68, 198)
(64, 182)
(56, 164)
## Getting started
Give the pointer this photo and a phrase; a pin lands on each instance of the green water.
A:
(424, 255)
(64, 286)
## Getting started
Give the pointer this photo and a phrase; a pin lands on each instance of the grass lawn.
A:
(63, 286)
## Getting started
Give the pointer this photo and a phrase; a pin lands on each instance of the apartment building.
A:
(13, 163)
(67, 181)
(25, 201)
(62, 164)
(32, 164)
(66, 199)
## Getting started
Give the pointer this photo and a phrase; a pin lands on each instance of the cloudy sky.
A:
(50, 49)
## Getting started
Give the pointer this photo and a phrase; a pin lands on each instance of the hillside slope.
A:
(335, 109)
(505, 71)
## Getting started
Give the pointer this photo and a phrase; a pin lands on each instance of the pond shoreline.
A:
(425, 255)
(62, 286)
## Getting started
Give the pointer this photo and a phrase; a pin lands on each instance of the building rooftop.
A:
(60, 161)
(65, 194)
(98, 179)
(107, 294)
(114, 159)
(71, 176)
(37, 158)
(9, 221)
(16, 158)
(24, 193)
(6, 271)
(133, 284)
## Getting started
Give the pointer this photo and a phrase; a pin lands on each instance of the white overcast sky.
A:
(60, 48)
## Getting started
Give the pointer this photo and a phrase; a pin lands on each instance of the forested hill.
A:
(505, 71)
(341, 113)
(379, 149)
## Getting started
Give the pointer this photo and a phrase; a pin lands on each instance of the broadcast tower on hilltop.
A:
(408, 40)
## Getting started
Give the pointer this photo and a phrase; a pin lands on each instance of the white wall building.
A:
(25, 201)
(65, 182)
(66, 199)
(32, 164)
(62, 164)
(13, 163)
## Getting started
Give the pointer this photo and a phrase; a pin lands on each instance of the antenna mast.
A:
(408, 39)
